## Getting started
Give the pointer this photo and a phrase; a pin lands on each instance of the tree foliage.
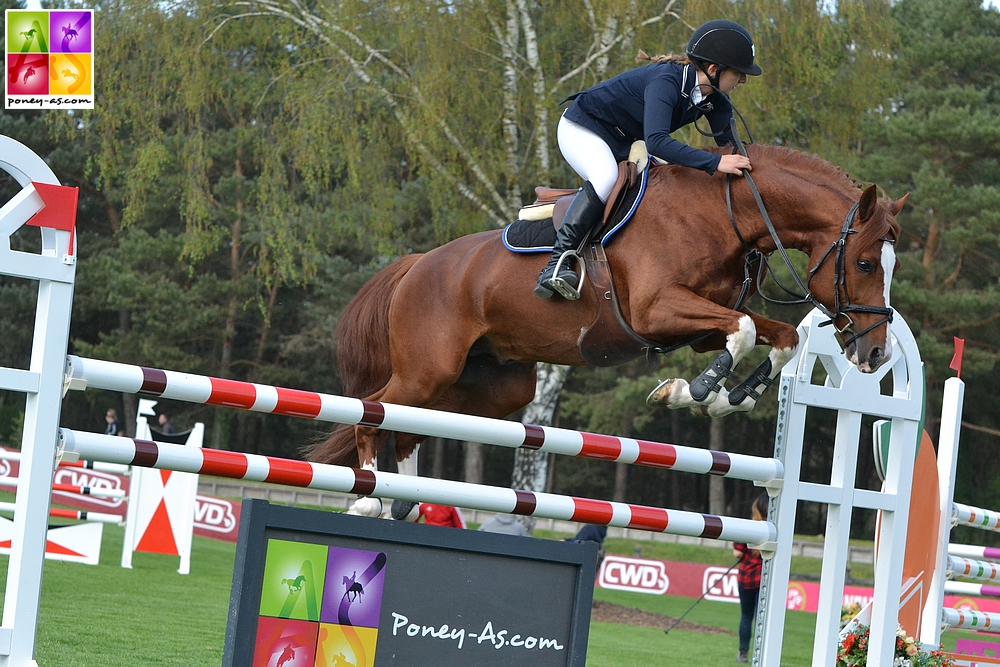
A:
(251, 162)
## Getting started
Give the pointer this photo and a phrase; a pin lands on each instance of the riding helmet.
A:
(724, 43)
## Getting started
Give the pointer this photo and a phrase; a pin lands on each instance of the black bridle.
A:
(804, 295)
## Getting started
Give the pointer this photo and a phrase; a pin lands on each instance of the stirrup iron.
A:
(564, 289)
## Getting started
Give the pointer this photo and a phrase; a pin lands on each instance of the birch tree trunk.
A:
(531, 466)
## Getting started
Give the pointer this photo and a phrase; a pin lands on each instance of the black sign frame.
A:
(574, 564)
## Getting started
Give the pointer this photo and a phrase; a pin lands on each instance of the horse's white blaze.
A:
(888, 264)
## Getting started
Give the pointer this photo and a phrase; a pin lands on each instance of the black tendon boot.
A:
(585, 213)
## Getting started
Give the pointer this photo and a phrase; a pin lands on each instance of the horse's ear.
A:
(897, 206)
(867, 205)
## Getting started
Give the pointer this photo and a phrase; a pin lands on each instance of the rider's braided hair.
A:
(681, 59)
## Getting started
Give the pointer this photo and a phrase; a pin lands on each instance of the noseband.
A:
(804, 294)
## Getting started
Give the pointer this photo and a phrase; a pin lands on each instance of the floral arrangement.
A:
(853, 651)
(848, 612)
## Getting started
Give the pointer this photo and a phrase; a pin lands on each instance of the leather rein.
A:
(804, 295)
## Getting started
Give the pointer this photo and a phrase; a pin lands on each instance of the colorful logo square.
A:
(283, 642)
(71, 74)
(27, 74)
(294, 574)
(27, 32)
(71, 32)
(355, 580)
(345, 646)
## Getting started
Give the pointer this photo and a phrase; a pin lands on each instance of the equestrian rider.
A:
(597, 130)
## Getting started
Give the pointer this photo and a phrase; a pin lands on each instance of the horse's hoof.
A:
(366, 507)
(664, 391)
(404, 510)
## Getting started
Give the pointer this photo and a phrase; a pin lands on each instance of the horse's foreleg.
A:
(709, 387)
(783, 340)
(407, 448)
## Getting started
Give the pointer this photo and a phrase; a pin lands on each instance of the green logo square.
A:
(27, 31)
(294, 574)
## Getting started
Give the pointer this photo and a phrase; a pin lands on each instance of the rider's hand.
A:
(733, 164)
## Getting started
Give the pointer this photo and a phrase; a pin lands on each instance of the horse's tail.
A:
(362, 355)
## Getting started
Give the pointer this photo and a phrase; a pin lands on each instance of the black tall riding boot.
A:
(585, 213)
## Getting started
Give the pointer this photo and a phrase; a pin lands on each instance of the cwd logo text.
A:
(214, 514)
(92, 478)
(633, 574)
(719, 585)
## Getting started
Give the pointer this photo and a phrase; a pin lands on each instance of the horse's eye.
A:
(865, 266)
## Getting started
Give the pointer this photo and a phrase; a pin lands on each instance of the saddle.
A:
(610, 339)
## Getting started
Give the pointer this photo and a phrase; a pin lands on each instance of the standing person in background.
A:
(113, 427)
(441, 515)
(165, 425)
(748, 580)
(592, 533)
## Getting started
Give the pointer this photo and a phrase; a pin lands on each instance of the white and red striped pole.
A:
(10, 455)
(73, 488)
(97, 517)
(253, 467)
(113, 376)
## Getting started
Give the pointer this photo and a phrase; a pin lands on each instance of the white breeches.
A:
(589, 156)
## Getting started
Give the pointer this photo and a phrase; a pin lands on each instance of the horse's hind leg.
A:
(369, 441)
(486, 388)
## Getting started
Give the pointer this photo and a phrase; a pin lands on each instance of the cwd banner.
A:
(665, 577)
(49, 59)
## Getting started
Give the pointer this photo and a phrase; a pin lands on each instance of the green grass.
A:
(104, 616)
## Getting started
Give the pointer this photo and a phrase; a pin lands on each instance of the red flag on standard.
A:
(956, 361)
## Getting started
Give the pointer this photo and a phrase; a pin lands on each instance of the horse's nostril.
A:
(875, 355)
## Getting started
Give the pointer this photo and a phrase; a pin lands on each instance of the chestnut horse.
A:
(459, 328)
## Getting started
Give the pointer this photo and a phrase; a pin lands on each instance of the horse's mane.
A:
(881, 226)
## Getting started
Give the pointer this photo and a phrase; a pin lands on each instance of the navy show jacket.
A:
(649, 103)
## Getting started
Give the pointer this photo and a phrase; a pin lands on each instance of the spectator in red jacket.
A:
(441, 515)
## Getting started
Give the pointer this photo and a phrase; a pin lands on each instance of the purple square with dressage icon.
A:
(71, 32)
(352, 594)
